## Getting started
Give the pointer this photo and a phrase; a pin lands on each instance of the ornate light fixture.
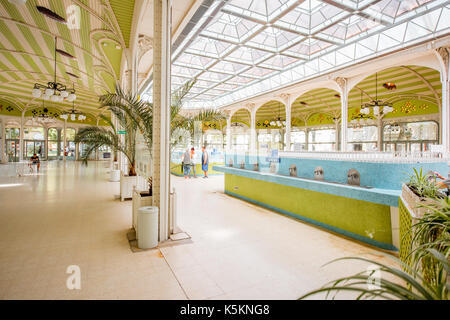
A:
(379, 107)
(278, 122)
(361, 117)
(73, 114)
(54, 91)
(44, 116)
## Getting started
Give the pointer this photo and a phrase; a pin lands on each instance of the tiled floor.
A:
(68, 215)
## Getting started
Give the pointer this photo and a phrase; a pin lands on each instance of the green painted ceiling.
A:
(123, 11)
(417, 85)
(27, 49)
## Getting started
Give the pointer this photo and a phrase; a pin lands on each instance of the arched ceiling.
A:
(27, 43)
(270, 110)
(242, 115)
(317, 100)
(413, 83)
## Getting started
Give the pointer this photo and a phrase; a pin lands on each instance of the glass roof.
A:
(241, 48)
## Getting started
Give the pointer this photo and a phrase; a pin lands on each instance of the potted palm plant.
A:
(95, 137)
(138, 115)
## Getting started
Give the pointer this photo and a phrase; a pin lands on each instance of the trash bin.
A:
(147, 224)
(115, 175)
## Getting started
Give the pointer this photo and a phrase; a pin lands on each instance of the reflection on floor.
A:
(68, 215)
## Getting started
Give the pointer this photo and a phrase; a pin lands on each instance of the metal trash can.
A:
(115, 175)
(147, 224)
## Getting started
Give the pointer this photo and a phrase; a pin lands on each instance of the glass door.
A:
(70, 152)
(39, 149)
(13, 149)
(29, 149)
(32, 147)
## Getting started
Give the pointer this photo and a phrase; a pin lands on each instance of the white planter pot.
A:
(114, 175)
(126, 186)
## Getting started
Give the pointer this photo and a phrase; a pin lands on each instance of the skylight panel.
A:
(239, 80)
(228, 67)
(248, 55)
(278, 61)
(208, 47)
(213, 76)
(274, 39)
(257, 72)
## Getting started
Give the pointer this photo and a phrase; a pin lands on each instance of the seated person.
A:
(442, 184)
(35, 160)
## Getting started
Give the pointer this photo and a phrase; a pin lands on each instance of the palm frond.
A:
(389, 289)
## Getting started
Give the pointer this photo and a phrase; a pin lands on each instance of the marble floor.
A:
(69, 215)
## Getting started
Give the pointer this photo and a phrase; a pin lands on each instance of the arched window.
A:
(34, 142)
(70, 144)
(54, 143)
(12, 136)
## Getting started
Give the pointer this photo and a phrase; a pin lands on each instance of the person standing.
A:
(193, 161)
(205, 162)
(186, 160)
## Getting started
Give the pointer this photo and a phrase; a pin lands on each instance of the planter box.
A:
(409, 213)
(140, 199)
(127, 184)
(413, 202)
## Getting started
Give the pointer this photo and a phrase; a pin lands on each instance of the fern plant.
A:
(432, 231)
(424, 185)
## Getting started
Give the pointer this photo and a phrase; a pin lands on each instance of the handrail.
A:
(390, 157)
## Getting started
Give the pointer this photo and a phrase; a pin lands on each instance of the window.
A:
(269, 139)
(298, 141)
(412, 136)
(240, 138)
(70, 134)
(35, 133)
(363, 138)
(54, 139)
(12, 133)
(322, 140)
(240, 141)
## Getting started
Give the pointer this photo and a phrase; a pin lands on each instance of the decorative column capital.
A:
(443, 56)
(285, 97)
(336, 118)
(145, 43)
(342, 83)
(443, 53)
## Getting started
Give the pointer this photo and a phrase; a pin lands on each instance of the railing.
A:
(400, 157)
(391, 157)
